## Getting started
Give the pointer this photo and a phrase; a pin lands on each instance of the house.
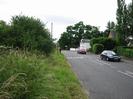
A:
(130, 41)
(85, 43)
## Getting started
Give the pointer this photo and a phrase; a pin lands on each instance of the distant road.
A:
(102, 79)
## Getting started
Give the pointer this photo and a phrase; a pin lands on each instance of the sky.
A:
(62, 13)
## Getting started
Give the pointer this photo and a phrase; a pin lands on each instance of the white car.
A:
(72, 49)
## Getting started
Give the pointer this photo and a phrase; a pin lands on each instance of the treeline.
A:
(73, 34)
(26, 33)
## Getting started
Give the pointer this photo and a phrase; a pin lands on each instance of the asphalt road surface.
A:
(103, 79)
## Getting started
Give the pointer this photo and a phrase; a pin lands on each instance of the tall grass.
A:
(25, 75)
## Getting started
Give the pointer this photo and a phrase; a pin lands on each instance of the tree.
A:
(124, 21)
(28, 33)
(73, 34)
(65, 41)
(120, 14)
(4, 30)
(130, 25)
(110, 26)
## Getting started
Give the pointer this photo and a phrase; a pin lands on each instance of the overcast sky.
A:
(62, 13)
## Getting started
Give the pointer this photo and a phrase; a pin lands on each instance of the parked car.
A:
(109, 55)
(72, 49)
(81, 50)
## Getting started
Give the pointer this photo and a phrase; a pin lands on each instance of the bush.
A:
(106, 42)
(27, 33)
(109, 44)
(98, 48)
(127, 52)
(96, 40)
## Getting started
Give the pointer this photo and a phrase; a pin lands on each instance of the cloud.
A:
(61, 19)
(2, 2)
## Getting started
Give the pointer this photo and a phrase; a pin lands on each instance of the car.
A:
(109, 55)
(81, 50)
(72, 49)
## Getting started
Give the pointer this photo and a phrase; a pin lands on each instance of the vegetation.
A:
(98, 48)
(125, 51)
(73, 35)
(110, 28)
(25, 75)
(108, 43)
(26, 33)
(25, 70)
(124, 26)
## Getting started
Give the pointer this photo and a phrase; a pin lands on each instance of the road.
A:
(102, 79)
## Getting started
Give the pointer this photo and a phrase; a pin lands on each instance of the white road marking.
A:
(129, 72)
(95, 61)
(101, 62)
(126, 73)
(75, 57)
(106, 63)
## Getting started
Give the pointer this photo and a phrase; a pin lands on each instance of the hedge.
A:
(98, 48)
(124, 51)
(108, 43)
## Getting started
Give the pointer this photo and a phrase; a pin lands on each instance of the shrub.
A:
(98, 48)
(109, 44)
(106, 42)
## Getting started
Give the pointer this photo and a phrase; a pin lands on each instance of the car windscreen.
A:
(111, 53)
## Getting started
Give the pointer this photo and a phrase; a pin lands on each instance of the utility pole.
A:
(51, 29)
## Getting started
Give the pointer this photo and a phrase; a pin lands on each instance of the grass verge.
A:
(32, 76)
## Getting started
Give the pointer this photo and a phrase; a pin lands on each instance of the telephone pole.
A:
(51, 33)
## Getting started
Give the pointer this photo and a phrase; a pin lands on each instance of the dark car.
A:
(109, 56)
(81, 50)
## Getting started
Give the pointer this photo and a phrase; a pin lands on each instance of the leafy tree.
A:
(120, 36)
(110, 26)
(130, 20)
(28, 33)
(73, 34)
(4, 30)
(65, 41)
(124, 21)
(124, 25)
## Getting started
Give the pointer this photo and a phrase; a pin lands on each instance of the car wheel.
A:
(101, 58)
(107, 59)
(104, 58)
(119, 60)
